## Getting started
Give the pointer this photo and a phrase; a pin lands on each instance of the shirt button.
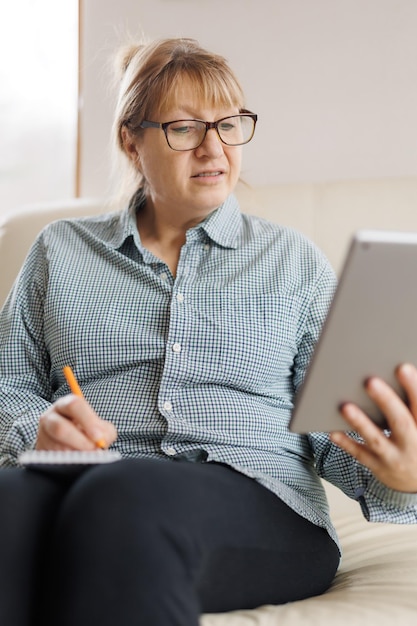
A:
(180, 297)
(176, 347)
(171, 451)
(206, 246)
(167, 406)
(164, 276)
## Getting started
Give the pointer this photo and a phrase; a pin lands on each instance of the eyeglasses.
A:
(234, 130)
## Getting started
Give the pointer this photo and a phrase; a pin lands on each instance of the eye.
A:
(225, 127)
(181, 128)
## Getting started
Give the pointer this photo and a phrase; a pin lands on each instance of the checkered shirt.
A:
(209, 359)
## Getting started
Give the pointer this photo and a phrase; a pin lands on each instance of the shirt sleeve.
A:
(25, 390)
(317, 302)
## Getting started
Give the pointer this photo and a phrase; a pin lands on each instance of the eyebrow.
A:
(180, 114)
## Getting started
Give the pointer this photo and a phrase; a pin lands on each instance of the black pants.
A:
(152, 543)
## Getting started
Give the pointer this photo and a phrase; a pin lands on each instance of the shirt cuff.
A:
(380, 503)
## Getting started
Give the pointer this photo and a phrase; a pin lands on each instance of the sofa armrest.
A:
(18, 230)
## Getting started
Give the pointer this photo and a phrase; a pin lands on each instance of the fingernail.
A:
(368, 381)
(406, 369)
(373, 383)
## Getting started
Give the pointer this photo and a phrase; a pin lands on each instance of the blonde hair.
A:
(149, 80)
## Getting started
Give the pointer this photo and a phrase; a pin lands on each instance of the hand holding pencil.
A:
(72, 424)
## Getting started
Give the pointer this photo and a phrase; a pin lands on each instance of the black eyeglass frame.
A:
(209, 126)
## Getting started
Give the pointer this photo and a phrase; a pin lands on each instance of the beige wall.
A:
(334, 81)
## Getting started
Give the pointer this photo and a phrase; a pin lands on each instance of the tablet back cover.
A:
(370, 329)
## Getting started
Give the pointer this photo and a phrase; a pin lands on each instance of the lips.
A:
(208, 174)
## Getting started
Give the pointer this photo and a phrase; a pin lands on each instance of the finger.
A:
(407, 377)
(395, 410)
(356, 449)
(59, 433)
(374, 450)
(374, 438)
(79, 411)
(389, 470)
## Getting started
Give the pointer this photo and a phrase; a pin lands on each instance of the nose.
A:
(211, 146)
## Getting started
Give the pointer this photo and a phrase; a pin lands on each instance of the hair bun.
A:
(125, 56)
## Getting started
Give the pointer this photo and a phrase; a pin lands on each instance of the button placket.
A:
(176, 349)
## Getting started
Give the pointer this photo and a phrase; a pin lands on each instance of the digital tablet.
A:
(370, 329)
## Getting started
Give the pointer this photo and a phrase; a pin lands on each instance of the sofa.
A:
(377, 580)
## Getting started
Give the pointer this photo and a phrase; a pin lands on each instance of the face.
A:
(191, 183)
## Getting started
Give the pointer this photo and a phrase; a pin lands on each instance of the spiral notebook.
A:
(67, 458)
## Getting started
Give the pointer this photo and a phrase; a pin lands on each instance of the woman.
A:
(189, 327)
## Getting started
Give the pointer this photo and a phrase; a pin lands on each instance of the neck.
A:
(163, 235)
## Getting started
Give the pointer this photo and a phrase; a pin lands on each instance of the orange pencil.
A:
(76, 390)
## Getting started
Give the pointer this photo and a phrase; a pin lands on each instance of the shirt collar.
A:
(125, 227)
(222, 225)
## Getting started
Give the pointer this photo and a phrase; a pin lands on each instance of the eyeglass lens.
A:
(189, 134)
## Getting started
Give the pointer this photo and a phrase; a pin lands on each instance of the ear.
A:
(130, 146)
